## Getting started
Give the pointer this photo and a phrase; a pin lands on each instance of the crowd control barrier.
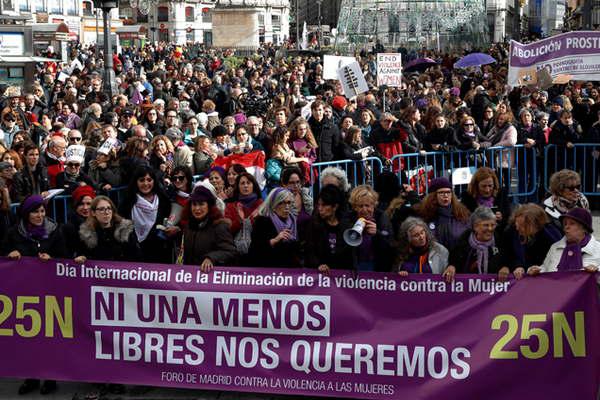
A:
(359, 172)
(582, 157)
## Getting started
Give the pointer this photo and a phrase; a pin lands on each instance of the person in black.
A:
(327, 134)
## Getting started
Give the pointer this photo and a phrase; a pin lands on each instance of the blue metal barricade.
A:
(516, 168)
(584, 158)
(359, 172)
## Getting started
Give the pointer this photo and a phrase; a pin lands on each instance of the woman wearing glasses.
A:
(153, 123)
(105, 235)
(564, 195)
(275, 241)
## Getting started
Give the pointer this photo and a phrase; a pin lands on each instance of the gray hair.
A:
(482, 214)
(277, 196)
(542, 114)
(339, 174)
(409, 224)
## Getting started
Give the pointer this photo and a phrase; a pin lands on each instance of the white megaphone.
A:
(353, 236)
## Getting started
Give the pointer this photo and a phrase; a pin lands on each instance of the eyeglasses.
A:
(468, 124)
(286, 203)
(448, 193)
(73, 165)
(75, 139)
(103, 210)
(573, 187)
(179, 178)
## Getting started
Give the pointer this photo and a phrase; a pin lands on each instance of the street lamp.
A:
(109, 72)
(320, 31)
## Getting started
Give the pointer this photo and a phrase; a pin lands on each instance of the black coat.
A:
(30, 182)
(381, 242)
(262, 254)
(534, 251)
(328, 138)
(464, 258)
(501, 202)
(320, 250)
(69, 186)
(117, 243)
(213, 241)
(437, 136)
(17, 239)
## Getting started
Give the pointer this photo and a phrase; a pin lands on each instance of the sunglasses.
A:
(73, 165)
(75, 139)
(179, 178)
(468, 124)
(573, 187)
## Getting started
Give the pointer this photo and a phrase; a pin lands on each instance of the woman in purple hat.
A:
(577, 250)
(206, 240)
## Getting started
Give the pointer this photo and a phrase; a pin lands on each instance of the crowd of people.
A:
(183, 112)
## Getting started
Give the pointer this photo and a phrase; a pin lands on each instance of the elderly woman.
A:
(443, 212)
(105, 235)
(275, 241)
(335, 176)
(374, 252)
(479, 249)
(484, 190)
(325, 245)
(206, 240)
(565, 195)
(419, 252)
(577, 250)
(528, 238)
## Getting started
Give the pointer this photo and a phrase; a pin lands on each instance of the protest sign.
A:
(352, 79)
(573, 53)
(331, 64)
(389, 69)
(351, 335)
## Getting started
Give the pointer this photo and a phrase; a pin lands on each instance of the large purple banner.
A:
(367, 335)
(575, 54)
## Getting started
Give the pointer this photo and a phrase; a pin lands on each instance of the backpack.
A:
(273, 170)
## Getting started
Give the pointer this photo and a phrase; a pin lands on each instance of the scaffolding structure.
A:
(411, 24)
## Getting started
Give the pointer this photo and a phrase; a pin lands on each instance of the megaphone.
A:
(353, 236)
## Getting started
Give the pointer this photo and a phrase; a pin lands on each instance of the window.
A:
(39, 6)
(24, 5)
(163, 14)
(189, 14)
(141, 17)
(206, 15)
(56, 6)
(276, 22)
(88, 9)
(71, 7)
(261, 19)
(125, 13)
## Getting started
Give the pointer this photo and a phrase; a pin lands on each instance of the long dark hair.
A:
(188, 176)
(250, 177)
(132, 189)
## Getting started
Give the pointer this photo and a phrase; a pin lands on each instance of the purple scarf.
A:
(485, 201)
(289, 223)
(483, 252)
(36, 232)
(248, 200)
(571, 259)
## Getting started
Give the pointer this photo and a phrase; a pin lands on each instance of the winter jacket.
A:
(464, 257)
(325, 245)
(261, 254)
(18, 239)
(29, 182)
(534, 250)
(63, 181)
(328, 138)
(590, 254)
(212, 240)
(437, 257)
(116, 243)
(110, 175)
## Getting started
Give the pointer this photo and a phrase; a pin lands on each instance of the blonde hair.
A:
(361, 192)
(534, 218)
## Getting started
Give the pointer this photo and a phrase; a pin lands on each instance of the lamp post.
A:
(109, 73)
(319, 32)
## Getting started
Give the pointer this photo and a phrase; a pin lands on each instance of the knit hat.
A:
(5, 165)
(439, 183)
(580, 215)
(220, 170)
(30, 204)
(240, 118)
(82, 191)
(558, 100)
(201, 194)
(339, 102)
(455, 91)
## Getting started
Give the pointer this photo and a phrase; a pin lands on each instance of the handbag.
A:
(243, 238)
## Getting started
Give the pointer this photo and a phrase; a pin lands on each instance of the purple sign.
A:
(365, 335)
(575, 54)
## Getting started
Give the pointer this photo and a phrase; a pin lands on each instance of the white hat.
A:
(75, 153)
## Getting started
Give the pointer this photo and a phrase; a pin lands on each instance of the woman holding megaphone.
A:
(372, 231)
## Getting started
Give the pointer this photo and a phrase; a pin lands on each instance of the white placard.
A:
(462, 176)
(12, 44)
(332, 63)
(352, 79)
(389, 69)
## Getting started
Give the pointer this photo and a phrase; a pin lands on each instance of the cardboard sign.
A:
(352, 79)
(332, 63)
(389, 69)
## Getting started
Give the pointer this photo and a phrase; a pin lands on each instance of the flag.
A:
(254, 162)
(304, 44)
